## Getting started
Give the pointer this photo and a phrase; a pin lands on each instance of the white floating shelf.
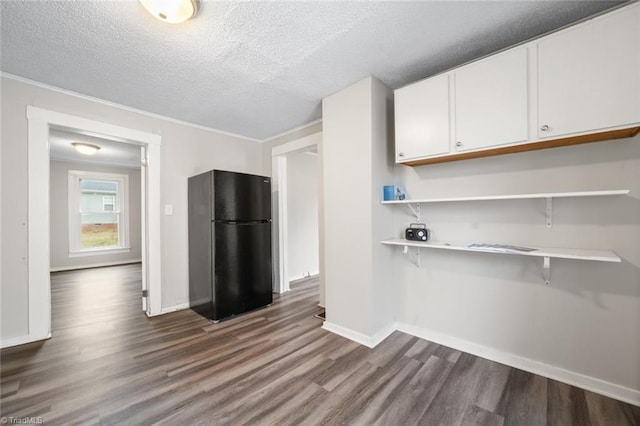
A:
(514, 197)
(558, 253)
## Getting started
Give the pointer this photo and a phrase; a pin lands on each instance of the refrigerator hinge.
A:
(145, 293)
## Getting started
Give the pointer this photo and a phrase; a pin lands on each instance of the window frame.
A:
(121, 201)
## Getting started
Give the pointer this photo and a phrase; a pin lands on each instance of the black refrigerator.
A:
(230, 266)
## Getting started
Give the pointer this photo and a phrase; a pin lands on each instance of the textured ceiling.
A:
(253, 68)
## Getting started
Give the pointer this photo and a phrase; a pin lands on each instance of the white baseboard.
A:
(94, 265)
(174, 308)
(301, 277)
(21, 340)
(622, 393)
(363, 339)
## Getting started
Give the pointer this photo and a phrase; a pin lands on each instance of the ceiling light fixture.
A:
(86, 148)
(172, 11)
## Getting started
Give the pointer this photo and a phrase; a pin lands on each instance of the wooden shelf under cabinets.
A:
(534, 146)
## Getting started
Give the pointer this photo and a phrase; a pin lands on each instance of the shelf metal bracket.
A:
(415, 259)
(549, 212)
(546, 270)
(415, 211)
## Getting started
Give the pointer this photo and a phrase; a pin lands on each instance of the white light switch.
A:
(168, 209)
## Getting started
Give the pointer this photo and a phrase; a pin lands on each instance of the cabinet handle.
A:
(401, 154)
(459, 144)
(544, 128)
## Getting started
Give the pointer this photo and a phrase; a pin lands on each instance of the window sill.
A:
(100, 252)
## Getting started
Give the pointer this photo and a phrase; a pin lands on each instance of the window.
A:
(98, 213)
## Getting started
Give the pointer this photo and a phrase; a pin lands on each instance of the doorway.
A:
(41, 122)
(95, 221)
(297, 259)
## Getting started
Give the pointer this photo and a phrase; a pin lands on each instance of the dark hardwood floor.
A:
(109, 364)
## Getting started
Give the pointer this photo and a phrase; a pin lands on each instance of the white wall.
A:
(587, 321)
(59, 217)
(186, 150)
(302, 214)
(348, 240)
(360, 293)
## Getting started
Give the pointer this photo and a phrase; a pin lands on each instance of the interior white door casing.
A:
(588, 76)
(143, 215)
(39, 122)
(279, 180)
(282, 283)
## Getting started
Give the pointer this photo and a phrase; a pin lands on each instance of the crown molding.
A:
(122, 107)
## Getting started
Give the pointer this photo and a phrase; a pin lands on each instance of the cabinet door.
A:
(491, 101)
(589, 76)
(422, 119)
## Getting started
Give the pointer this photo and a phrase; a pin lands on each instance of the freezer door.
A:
(242, 268)
(241, 197)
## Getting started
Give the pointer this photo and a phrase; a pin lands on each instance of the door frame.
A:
(279, 175)
(39, 284)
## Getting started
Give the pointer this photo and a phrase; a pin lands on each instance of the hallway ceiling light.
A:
(171, 11)
(85, 148)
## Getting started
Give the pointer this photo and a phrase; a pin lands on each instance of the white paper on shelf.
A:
(501, 248)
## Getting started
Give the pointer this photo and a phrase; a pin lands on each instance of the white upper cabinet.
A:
(589, 76)
(579, 85)
(491, 102)
(422, 119)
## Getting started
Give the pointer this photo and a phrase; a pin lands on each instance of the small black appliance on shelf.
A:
(416, 232)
